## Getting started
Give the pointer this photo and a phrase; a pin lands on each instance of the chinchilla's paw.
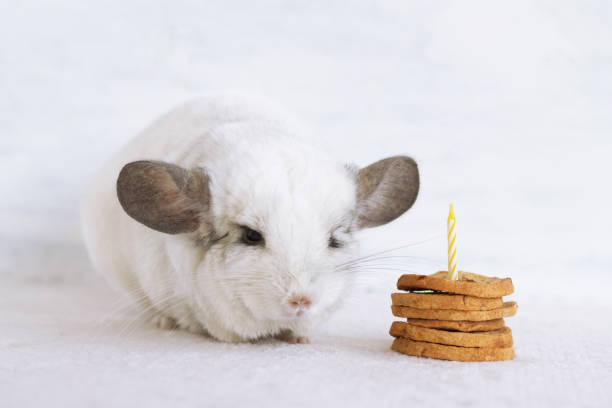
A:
(298, 340)
(291, 338)
(164, 322)
(192, 326)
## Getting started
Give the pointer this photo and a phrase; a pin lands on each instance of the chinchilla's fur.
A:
(218, 219)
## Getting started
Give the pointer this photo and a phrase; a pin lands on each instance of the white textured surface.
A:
(63, 347)
(505, 107)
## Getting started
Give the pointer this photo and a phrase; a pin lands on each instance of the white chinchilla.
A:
(218, 219)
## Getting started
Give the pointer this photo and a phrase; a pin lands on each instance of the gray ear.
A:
(163, 196)
(385, 190)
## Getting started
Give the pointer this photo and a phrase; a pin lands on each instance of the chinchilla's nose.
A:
(299, 302)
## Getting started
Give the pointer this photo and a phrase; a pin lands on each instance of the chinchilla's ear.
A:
(163, 196)
(385, 190)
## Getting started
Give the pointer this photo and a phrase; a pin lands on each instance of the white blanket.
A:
(74, 346)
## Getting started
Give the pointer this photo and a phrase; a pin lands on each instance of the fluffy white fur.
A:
(262, 176)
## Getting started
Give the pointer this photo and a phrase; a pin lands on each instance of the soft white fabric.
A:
(64, 347)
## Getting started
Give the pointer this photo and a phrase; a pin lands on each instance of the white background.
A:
(506, 106)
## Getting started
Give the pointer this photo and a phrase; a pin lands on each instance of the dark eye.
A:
(334, 243)
(251, 237)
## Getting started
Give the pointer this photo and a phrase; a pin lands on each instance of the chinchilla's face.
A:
(284, 228)
(275, 223)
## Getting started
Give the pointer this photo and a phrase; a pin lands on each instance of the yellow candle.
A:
(453, 273)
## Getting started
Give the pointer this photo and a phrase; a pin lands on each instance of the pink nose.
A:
(299, 302)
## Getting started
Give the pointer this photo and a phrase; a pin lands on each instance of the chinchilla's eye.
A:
(251, 237)
(334, 242)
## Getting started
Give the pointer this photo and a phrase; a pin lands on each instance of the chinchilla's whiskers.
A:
(434, 237)
(139, 291)
(361, 268)
(384, 263)
(262, 286)
(124, 302)
(366, 268)
(141, 309)
(129, 299)
(382, 268)
(148, 313)
(248, 279)
(139, 298)
(396, 261)
(399, 257)
(253, 282)
(389, 259)
(130, 304)
(365, 276)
